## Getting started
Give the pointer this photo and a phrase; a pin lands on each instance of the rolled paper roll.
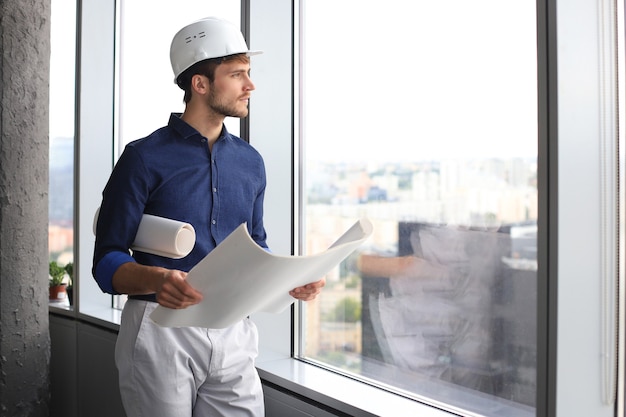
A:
(161, 236)
(164, 237)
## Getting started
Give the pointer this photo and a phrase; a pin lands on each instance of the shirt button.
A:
(214, 189)
(213, 221)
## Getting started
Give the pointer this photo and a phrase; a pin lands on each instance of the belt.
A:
(144, 297)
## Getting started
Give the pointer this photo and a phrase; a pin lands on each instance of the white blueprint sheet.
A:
(239, 278)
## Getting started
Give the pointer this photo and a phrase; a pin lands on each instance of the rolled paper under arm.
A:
(164, 237)
(161, 236)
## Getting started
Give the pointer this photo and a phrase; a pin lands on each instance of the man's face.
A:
(230, 91)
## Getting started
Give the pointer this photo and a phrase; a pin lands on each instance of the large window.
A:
(422, 117)
(62, 110)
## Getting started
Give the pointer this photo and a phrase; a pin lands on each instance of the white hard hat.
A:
(207, 38)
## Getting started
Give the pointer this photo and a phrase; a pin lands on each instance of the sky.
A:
(62, 65)
(430, 78)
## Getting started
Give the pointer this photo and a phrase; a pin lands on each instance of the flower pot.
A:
(58, 292)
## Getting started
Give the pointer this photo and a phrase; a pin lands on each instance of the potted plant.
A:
(57, 286)
(69, 269)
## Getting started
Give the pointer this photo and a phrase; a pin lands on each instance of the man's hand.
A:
(175, 291)
(308, 292)
(170, 286)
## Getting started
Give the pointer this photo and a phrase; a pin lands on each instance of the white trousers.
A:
(186, 372)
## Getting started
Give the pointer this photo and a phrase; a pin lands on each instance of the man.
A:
(191, 170)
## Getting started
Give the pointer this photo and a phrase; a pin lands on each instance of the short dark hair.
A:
(206, 68)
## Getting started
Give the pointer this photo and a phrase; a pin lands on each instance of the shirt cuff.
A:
(107, 266)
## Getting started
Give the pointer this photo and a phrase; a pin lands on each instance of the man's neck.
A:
(209, 125)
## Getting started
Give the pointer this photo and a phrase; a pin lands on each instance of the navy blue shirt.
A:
(172, 174)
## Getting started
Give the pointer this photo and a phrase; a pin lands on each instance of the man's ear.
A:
(200, 84)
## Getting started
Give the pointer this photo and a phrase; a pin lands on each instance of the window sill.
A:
(104, 316)
(323, 386)
(336, 391)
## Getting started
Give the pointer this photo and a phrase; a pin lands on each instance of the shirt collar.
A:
(186, 131)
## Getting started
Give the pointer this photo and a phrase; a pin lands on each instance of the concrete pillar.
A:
(24, 334)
